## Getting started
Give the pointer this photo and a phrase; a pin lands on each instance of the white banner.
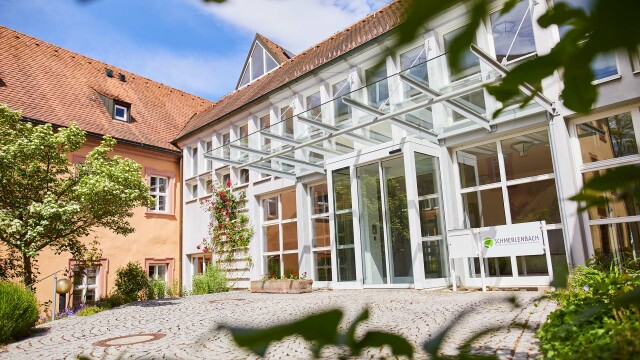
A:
(517, 239)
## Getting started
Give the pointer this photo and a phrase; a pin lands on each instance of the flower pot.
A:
(281, 286)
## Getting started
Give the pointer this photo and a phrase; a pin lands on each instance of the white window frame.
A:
(85, 286)
(248, 68)
(280, 222)
(503, 185)
(119, 118)
(194, 160)
(157, 194)
(156, 267)
(313, 216)
(208, 147)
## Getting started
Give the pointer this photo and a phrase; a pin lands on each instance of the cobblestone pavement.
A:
(188, 324)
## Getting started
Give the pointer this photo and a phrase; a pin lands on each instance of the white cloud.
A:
(293, 24)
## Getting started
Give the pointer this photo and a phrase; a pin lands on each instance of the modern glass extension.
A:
(378, 220)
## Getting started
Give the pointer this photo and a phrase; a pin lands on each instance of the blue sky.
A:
(193, 46)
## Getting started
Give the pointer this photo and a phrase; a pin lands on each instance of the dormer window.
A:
(120, 113)
(259, 63)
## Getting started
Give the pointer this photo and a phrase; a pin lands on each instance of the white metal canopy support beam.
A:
(526, 88)
(261, 169)
(330, 128)
(284, 159)
(375, 120)
(454, 105)
(411, 128)
(319, 149)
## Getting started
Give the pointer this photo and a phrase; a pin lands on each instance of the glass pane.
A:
(290, 236)
(272, 238)
(90, 296)
(342, 110)
(627, 205)
(537, 265)
(513, 32)
(270, 208)
(377, 86)
(273, 264)
(535, 201)
(344, 229)
(414, 63)
(245, 78)
(92, 274)
(430, 217)
(616, 242)
(257, 62)
(398, 220)
(342, 189)
(527, 155)
(288, 200)
(474, 101)
(320, 228)
(290, 264)
(162, 200)
(244, 176)
(271, 64)
(604, 65)
(346, 264)
(78, 275)
(371, 224)
(153, 184)
(427, 175)
(469, 63)
(313, 106)
(319, 199)
(607, 138)
(484, 210)
(479, 165)
(286, 117)
(323, 265)
(434, 258)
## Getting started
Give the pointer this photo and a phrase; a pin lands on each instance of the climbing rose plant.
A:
(230, 230)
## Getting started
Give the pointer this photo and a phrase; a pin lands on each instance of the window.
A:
(244, 176)
(121, 112)
(280, 234)
(193, 189)
(313, 106)
(286, 120)
(194, 160)
(434, 249)
(604, 65)
(377, 86)
(200, 263)
(259, 63)
(607, 138)
(342, 111)
(85, 284)
(158, 271)
(414, 63)
(469, 63)
(265, 143)
(320, 236)
(226, 151)
(513, 33)
(345, 248)
(208, 147)
(243, 134)
(159, 191)
(635, 60)
(512, 181)
(604, 143)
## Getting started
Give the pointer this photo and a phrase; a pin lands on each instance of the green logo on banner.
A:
(488, 242)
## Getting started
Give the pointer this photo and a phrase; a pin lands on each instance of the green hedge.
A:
(591, 322)
(132, 281)
(18, 311)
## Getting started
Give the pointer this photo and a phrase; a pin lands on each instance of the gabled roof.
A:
(372, 26)
(51, 84)
(278, 53)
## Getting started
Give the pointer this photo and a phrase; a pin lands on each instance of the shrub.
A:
(111, 301)
(157, 289)
(174, 290)
(131, 281)
(590, 322)
(18, 311)
(90, 310)
(212, 281)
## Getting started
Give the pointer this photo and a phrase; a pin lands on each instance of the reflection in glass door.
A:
(384, 223)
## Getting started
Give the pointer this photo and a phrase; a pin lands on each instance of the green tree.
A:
(46, 202)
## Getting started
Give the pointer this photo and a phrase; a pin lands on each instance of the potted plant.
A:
(290, 283)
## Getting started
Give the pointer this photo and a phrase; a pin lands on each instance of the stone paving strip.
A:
(185, 328)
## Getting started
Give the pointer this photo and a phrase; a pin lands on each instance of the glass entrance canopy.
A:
(420, 101)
